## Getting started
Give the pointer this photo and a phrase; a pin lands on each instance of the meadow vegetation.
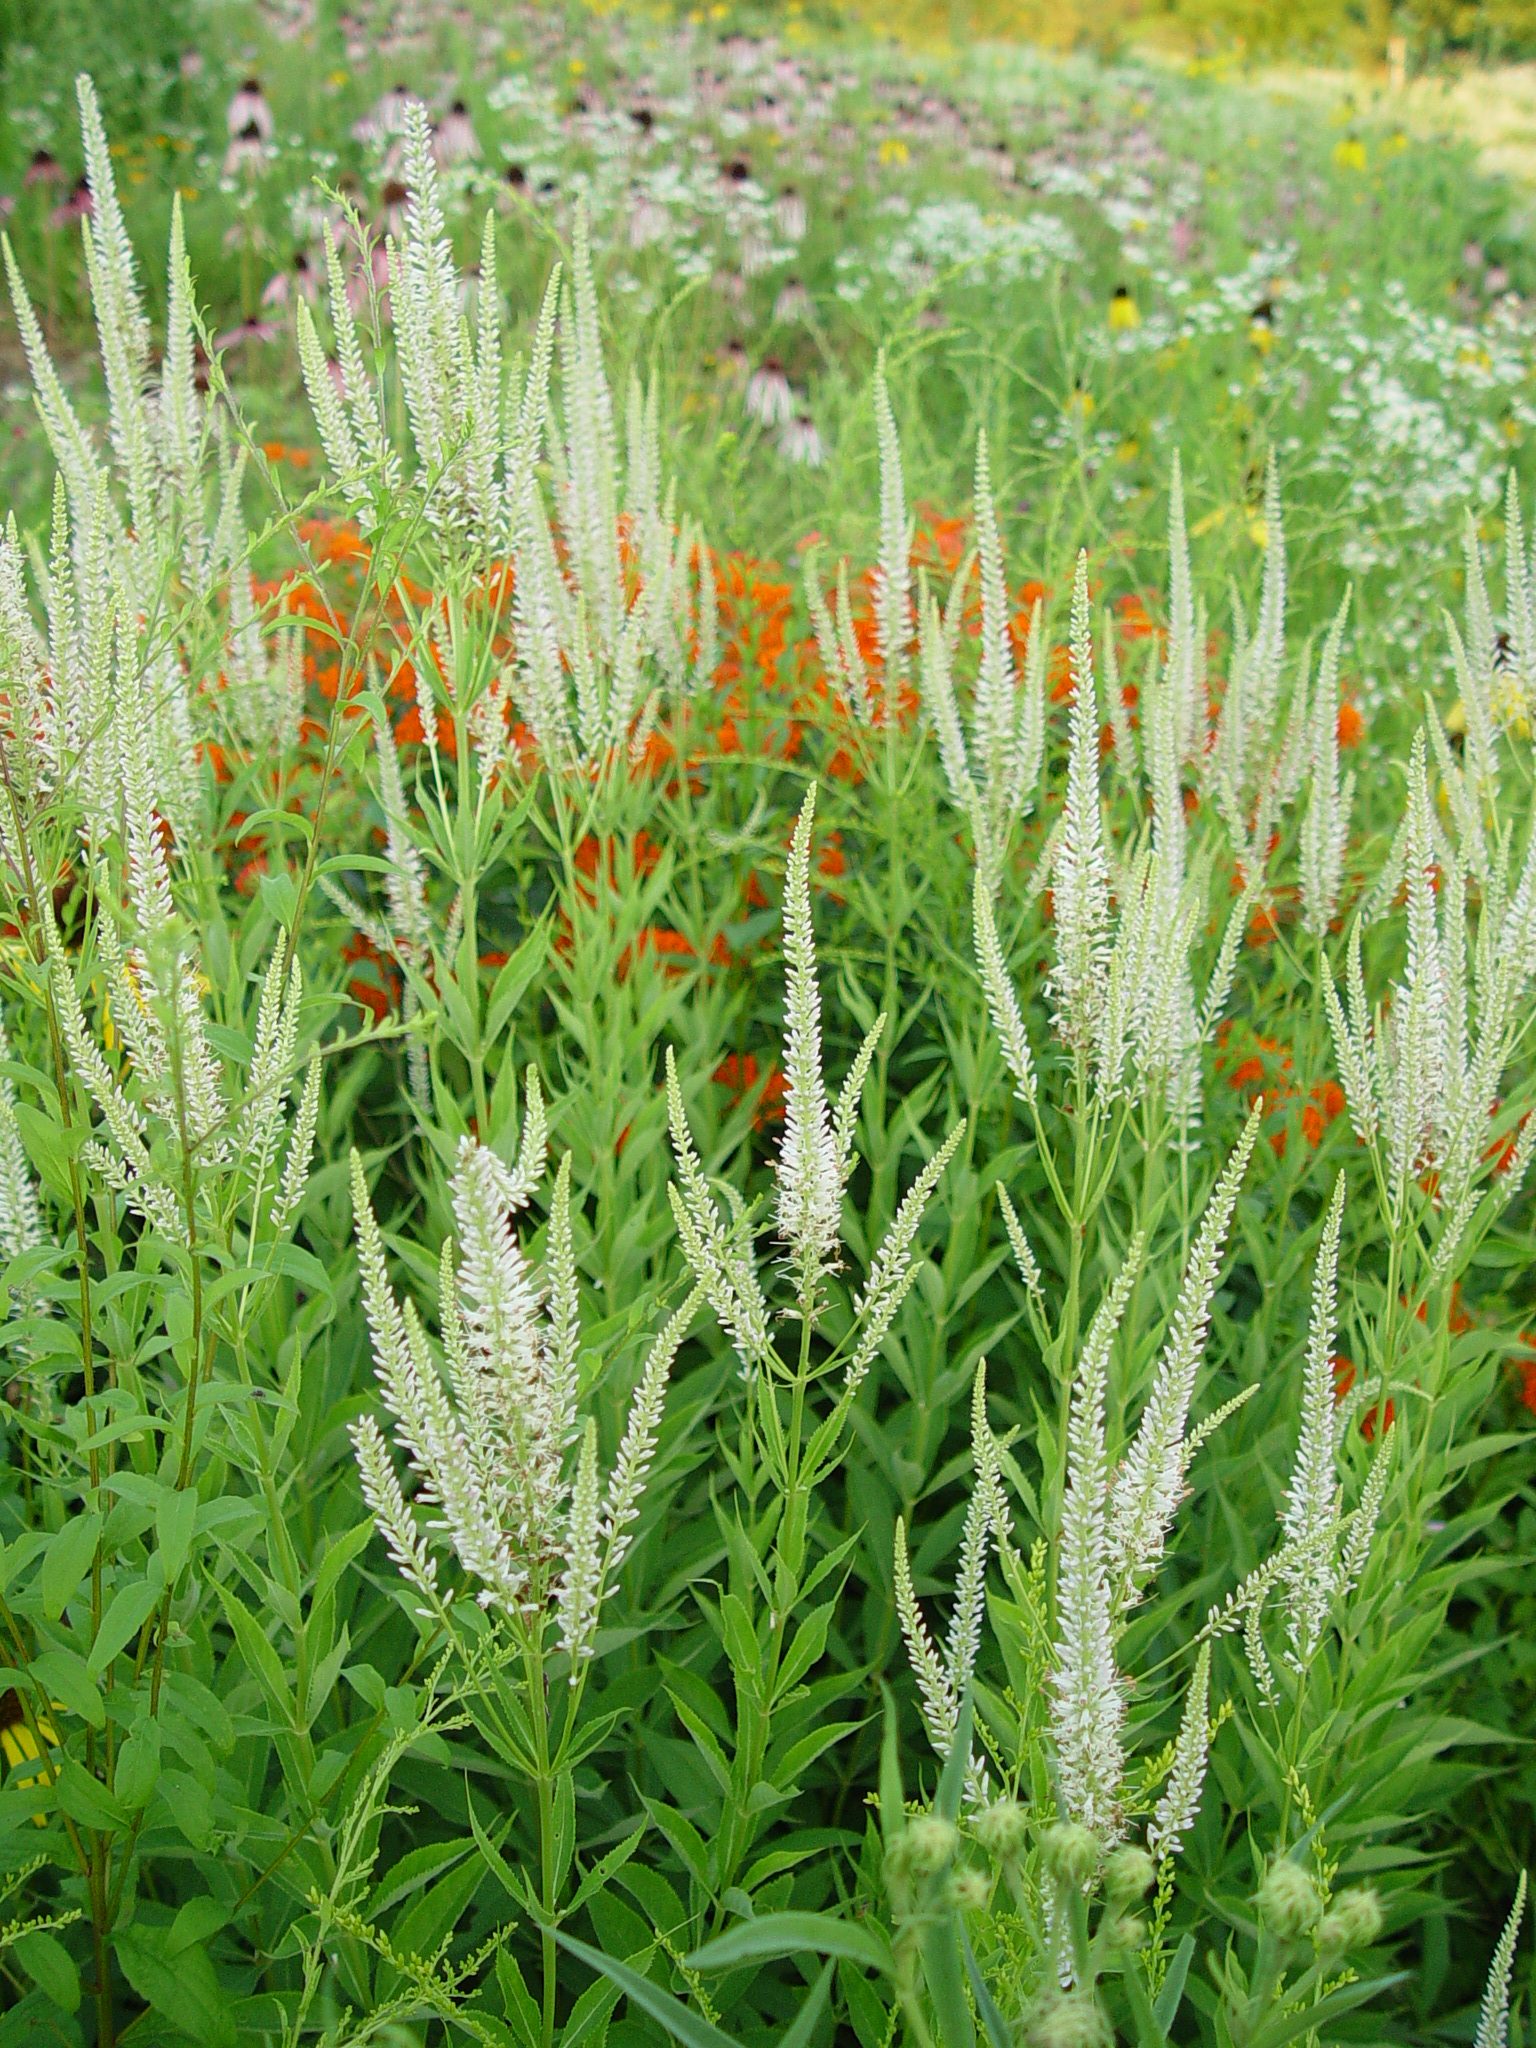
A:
(769, 905)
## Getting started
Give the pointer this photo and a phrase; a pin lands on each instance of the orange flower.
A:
(1351, 724)
(739, 1071)
(1326, 1103)
(1343, 1382)
(1525, 1366)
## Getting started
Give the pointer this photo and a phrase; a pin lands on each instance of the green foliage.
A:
(349, 1692)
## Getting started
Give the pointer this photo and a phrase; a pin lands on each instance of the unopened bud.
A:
(929, 1844)
(1125, 1930)
(1353, 1921)
(969, 1891)
(1071, 1853)
(1129, 1874)
(1288, 1902)
(1071, 2022)
(1002, 1829)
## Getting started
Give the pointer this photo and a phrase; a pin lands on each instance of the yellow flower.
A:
(1258, 530)
(893, 150)
(1262, 335)
(338, 78)
(1349, 154)
(1123, 310)
(18, 1744)
(1081, 403)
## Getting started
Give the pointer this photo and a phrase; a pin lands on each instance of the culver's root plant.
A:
(736, 1309)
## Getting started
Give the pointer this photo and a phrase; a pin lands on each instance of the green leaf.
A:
(62, 1675)
(182, 1986)
(1290, 2026)
(998, 2032)
(1166, 2006)
(952, 1778)
(130, 1607)
(680, 2022)
(86, 1799)
(138, 1766)
(175, 1520)
(794, 1934)
(799, 2035)
(50, 1966)
(67, 1560)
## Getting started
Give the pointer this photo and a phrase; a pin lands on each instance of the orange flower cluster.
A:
(1343, 1383)
(1265, 1070)
(741, 1073)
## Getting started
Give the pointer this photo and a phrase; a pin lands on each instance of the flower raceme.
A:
(494, 1433)
(815, 1161)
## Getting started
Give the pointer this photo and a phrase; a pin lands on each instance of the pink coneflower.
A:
(647, 220)
(283, 284)
(769, 397)
(800, 443)
(190, 64)
(78, 206)
(393, 201)
(454, 140)
(43, 170)
(793, 302)
(385, 117)
(756, 254)
(248, 111)
(245, 153)
(258, 331)
(789, 214)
